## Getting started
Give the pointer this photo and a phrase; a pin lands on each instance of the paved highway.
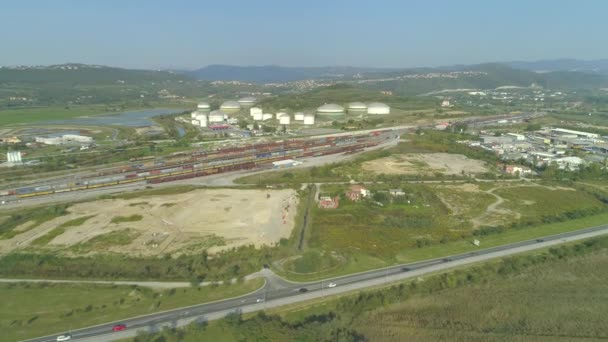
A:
(277, 292)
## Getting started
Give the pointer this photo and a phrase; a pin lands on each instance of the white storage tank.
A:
(267, 116)
(217, 116)
(299, 116)
(377, 108)
(284, 119)
(247, 101)
(202, 120)
(309, 119)
(255, 110)
(257, 116)
(357, 107)
(203, 107)
(330, 109)
(230, 107)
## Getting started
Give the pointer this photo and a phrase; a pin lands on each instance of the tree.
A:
(533, 127)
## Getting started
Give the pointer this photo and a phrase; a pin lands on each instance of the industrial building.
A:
(247, 101)
(267, 116)
(230, 107)
(13, 157)
(330, 109)
(299, 116)
(65, 139)
(563, 131)
(377, 108)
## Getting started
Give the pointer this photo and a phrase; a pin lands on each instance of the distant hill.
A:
(273, 73)
(482, 76)
(594, 66)
(80, 84)
(404, 81)
(83, 74)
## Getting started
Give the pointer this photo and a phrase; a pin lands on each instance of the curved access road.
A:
(277, 293)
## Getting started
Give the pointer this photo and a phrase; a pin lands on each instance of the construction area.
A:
(204, 219)
(425, 163)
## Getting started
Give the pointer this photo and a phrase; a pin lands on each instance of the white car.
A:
(332, 285)
(259, 300)
(65, 337)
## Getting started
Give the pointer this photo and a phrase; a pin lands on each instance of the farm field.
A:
(31, 310)
(178, 223)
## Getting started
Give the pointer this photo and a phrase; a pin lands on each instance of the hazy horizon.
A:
(189, 35)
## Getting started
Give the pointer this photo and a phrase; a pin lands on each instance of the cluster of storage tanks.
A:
(203, 115)
(374, 108)
(284, 119)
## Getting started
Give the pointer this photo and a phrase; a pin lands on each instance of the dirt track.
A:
(425, 163)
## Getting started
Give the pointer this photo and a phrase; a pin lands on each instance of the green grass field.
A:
(358, 261)
(29, 115)
(30, 310)
(535, 201)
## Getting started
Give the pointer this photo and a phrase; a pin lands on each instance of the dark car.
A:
(119, 327)
(405, 269)
(303, 290)
(447, 259)
(540, 240)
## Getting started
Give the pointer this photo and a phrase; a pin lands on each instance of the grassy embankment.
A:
(38, 309)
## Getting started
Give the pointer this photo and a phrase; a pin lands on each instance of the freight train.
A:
(212, 162)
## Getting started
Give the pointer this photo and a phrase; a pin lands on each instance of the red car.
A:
(119, 327)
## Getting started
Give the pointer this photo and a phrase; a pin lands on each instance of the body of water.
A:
(138, 118)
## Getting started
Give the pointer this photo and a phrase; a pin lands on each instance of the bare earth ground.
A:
(425, 163)
(181, 223)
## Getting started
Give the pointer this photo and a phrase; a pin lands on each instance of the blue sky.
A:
(191, 34)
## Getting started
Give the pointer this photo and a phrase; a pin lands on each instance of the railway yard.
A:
(187, 165)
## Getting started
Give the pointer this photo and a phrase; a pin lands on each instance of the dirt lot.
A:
(425, 163)
(216, 219)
